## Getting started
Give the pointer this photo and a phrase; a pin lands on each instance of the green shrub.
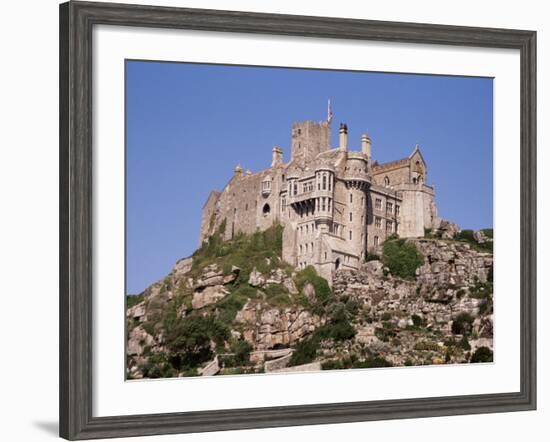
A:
(418, 321)
(189, 340)
(241, 354)
(132, 300)
(467, 236)
(462, 324)
(482, 354)
(305, 351)
(322, 289)
(373, 362)
(386, 316)
(372, 257)
(402, 258)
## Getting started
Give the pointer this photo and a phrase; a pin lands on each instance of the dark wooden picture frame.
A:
(77, 20)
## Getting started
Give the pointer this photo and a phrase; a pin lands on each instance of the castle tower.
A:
(308, 140)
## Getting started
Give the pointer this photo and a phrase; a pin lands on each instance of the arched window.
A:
(337, 264)
(386, 181)
(324, 182)
(266, 209)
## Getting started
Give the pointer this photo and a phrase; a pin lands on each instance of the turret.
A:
(366, 145)
(343, 136)
(276, 157)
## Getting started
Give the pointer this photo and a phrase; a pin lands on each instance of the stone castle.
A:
(336, 205)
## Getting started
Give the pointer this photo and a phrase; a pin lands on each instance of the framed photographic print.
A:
(271, 220)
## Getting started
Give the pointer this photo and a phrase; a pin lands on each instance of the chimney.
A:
(366, 145)
(343, 140)
(276, 157)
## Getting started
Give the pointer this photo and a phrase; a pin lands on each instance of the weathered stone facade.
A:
(335, 204)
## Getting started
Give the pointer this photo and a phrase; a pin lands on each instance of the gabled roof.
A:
(417, 149)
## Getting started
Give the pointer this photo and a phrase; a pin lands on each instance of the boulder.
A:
(256, 279)
(183, 266)
(210, 295)
(137, 340)
(309, 292)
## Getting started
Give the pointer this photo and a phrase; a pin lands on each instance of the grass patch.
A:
(467, 236)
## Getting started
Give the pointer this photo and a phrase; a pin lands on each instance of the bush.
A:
(241, 354)
(462, 325)
(132, 300)
(305, 351)
(482, 354)
(467, 236)
(322, 289)
(402, 258)
(373, 362)
(372, 257)
(189, 340)
(417, 320)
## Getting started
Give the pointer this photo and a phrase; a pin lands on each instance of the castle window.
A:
(329, 184)
(386, 181)
(362, 201)
(306, 246)
(305, 187)
(389, 207)
(350, 234)
(295, 189)
(283, 177)
(362, 219)
(351, 197)
(307, 229)
(283, 204)
(324, 182)
(300, 249)
(378, 203)
(389, 226)
(351, 216)
(325, 256)
(378, 222)
(414, 180)
(323, 206)
(397, 210)
(376, 241)
(329, 204)
(266, 209)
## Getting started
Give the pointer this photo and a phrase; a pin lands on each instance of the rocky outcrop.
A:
(411, 321)
(138, 339)
(256, 320)
(265, 327)
(209, 295)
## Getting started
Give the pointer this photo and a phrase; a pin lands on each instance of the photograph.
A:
(296, 220)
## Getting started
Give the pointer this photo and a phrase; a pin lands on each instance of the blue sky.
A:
(189, 125)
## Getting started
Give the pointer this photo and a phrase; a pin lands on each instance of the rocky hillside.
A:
(235, 307)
